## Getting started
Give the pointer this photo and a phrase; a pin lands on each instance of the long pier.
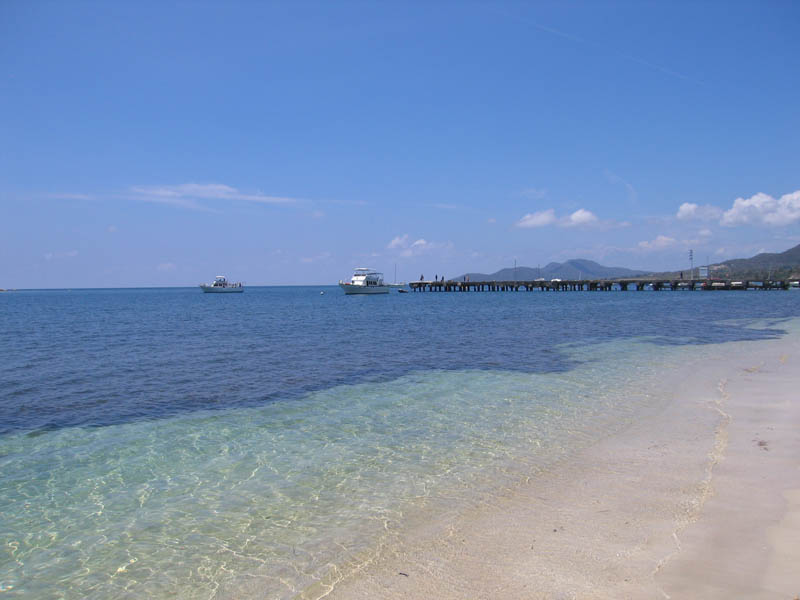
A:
(596, 285)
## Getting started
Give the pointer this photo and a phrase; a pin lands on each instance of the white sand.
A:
(747, 543)
(700, 501)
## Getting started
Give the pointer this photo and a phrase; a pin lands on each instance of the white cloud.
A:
(60, 255)
(541, 218)
(189, 203)
(660, 243)
(491, 220)
(166, 267)
(401, 241)
(418, 247)
(111, 228)
(422, 246)
(186, 195)
(687, 210)
(763, 209)
(705, 233)
(317, 214)
(580, 217)
(706, 212)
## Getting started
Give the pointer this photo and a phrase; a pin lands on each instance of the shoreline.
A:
(691, 503)
(584, 482)
(746, 542)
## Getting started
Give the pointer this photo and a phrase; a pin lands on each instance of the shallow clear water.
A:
(166, 443)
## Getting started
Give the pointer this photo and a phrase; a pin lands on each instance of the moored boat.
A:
(221, 285)
(365, 281)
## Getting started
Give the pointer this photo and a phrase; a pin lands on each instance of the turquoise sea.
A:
(164, 443)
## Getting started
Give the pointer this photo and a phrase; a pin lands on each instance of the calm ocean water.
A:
(169, 443)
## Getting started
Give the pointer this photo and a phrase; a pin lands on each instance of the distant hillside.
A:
(773, 265)
(776, 265)
(571, 269)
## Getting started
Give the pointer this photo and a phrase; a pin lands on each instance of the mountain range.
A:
(776, 265)
(572, 269)
(767, 265)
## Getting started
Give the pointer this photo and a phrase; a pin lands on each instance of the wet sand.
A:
(699, 500)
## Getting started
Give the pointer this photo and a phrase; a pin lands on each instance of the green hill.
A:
(780, 265)
(571, 269)
(767, 265)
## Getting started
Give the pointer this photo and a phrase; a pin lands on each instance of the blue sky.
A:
(156, 143)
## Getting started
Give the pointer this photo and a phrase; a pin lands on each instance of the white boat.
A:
(222, 286)
(365, 281)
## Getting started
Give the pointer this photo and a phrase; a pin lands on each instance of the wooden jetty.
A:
(595, 285)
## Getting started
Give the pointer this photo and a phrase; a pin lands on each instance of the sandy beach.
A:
(700, 501)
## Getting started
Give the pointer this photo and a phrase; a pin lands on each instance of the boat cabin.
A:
(366, 277)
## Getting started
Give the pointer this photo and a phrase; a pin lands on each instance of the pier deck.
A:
(593, 285)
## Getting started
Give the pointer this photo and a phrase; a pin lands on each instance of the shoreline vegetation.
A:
(703, 501)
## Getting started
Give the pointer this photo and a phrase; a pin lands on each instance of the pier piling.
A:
(594, 285)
